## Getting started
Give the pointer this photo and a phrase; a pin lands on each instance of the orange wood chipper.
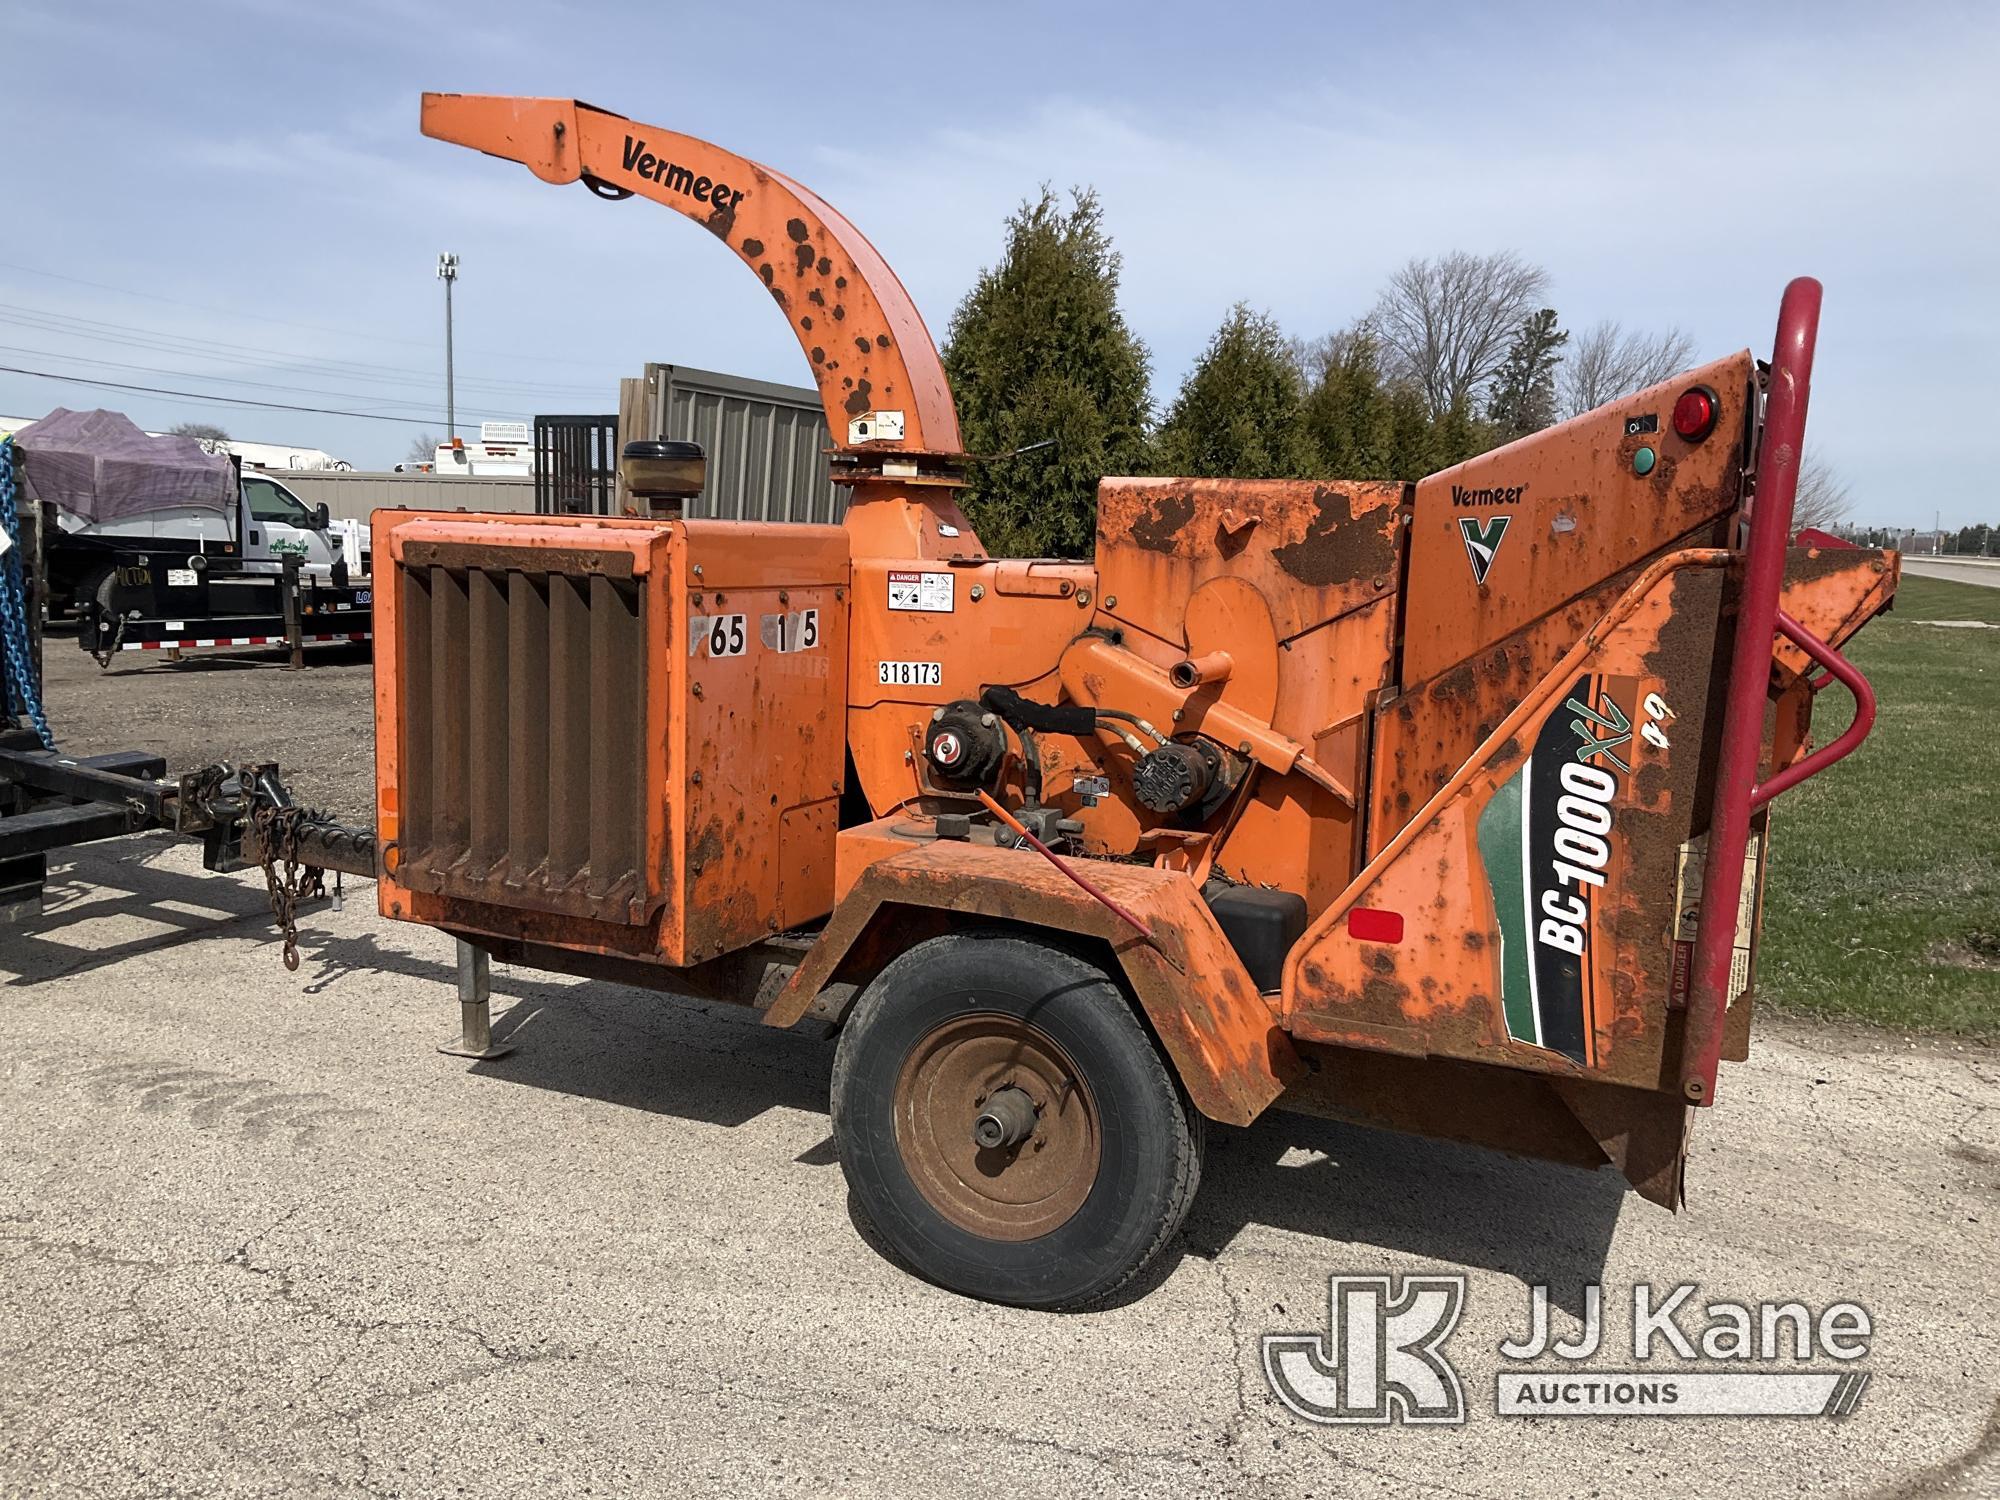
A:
(1436, 806)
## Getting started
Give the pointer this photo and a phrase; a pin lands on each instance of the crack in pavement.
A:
(82, 1250)
(1232, 1434)
(1942, 1479)
(1239, 1339)
(504, 1364)
(289, 1293)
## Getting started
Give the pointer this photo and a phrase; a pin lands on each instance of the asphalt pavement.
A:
(1984, 571)
(260, 1238)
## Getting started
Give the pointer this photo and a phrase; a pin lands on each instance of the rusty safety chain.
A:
(278, 842)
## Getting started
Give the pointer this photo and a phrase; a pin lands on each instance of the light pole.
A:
(448, 273)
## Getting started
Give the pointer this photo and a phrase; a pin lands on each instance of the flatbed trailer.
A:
(50, 801)
(148, 604)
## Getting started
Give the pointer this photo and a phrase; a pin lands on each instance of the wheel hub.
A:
(996, 1127)
(1007, 1120)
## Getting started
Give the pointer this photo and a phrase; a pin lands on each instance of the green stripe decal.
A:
(1500, 852)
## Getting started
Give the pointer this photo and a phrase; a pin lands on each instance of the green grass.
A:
(1882, 902)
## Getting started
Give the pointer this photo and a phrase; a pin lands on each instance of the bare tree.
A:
(1823, 496)
(206, 430)
(1311, 356)
(1445, 324)
(1606, 362)
(423, 449)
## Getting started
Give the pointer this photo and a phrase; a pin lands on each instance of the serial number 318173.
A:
(909, 674)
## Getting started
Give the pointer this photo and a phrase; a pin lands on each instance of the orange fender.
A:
(1221, 1035)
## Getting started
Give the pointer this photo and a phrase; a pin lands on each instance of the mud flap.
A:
(1644, 1134)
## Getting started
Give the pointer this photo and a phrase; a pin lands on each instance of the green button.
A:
(1642, 461)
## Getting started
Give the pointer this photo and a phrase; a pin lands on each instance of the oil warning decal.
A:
(1482, 542)
(1549, 842)
(921, 591)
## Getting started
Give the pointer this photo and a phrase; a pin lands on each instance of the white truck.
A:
(118, 494)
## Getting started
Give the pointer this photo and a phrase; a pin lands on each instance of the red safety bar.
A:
(1759, 621)
(1838, 668)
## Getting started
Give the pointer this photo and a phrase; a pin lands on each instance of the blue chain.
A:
(24, 689)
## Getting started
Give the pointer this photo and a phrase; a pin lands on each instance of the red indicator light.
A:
(1694, 414)
(1373, 925)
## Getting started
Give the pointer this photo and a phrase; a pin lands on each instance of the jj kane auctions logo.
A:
(1382, 1357)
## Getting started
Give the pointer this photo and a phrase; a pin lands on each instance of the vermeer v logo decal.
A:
(1482, 541)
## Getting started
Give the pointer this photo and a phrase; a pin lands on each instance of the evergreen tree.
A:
(1346, 415)
(1362, 425)
(1238, 412)
(1038, 350)
(1413, 447)
(1523, 398)
(1458, 435)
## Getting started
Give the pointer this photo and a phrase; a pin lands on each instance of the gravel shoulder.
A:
(241, 706)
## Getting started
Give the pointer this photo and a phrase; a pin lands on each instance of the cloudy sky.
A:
(233, 198)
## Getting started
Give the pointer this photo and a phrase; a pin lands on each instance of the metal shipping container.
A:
(766, 447)
(766, 444)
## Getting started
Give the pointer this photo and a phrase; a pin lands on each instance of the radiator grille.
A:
(523, 770)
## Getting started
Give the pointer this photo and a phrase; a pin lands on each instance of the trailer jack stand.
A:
(475, 1015)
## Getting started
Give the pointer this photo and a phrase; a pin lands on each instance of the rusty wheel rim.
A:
(1013, 1192)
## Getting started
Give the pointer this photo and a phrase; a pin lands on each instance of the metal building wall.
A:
(351, 494)
(766, 443)
(766, 447)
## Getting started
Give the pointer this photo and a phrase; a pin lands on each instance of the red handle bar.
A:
(1842, 669)
(1758, 622)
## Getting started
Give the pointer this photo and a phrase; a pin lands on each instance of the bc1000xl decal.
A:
(1546, 839)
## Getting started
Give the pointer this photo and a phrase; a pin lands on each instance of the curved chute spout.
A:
(879, 377)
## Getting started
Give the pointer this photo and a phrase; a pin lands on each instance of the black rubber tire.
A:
(1150, 1139)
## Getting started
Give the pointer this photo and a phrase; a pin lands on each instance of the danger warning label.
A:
(920, 591)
